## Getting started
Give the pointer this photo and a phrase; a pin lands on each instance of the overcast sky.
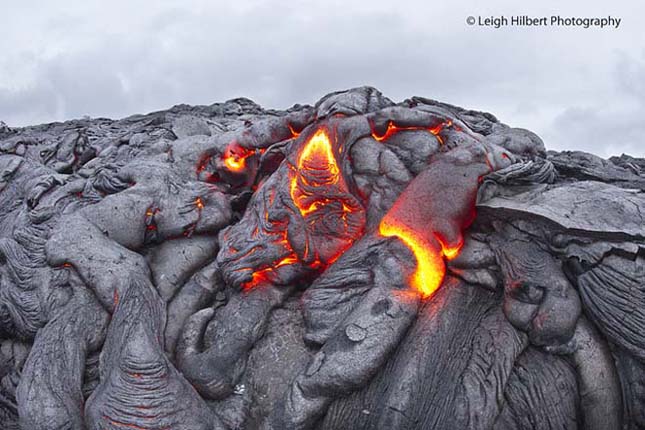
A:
(578, 89)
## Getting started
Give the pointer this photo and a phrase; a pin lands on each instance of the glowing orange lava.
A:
(293, 131)
(235, 157)
(431, 267)
(263, 275)
(392, 129)
(451, 253)
(315, 184)
(316, 167)
(199, 203)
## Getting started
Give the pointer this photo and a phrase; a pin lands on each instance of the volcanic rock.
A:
(357, 263)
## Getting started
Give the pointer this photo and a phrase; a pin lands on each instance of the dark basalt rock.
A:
(358, 263)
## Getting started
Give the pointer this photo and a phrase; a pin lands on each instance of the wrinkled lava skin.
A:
(305, 216)
(356, 264)
(302, 215)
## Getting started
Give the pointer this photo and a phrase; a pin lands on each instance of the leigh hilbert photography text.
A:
(544, 21)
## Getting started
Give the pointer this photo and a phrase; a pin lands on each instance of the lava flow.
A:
(316, 167)
(332, 218)
(430, 216)
(431, 268)
(235, 157)
(392, 129)
(317, 187)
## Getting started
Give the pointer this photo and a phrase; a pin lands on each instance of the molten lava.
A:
(432, 213)
(430, 265)
(392, 129)
(264, 275)
(331, 217)
(316, 167)
(293, 131)
(199, 203)
(319, 191)
(235, 157)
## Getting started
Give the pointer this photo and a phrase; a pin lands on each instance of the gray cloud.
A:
(578, 89)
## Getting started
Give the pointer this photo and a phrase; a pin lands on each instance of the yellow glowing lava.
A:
(318, 162)
(235, 157)
(430, 265)
(392, 129)
(318, 155)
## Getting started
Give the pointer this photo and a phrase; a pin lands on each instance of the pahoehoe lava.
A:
(355, 264)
